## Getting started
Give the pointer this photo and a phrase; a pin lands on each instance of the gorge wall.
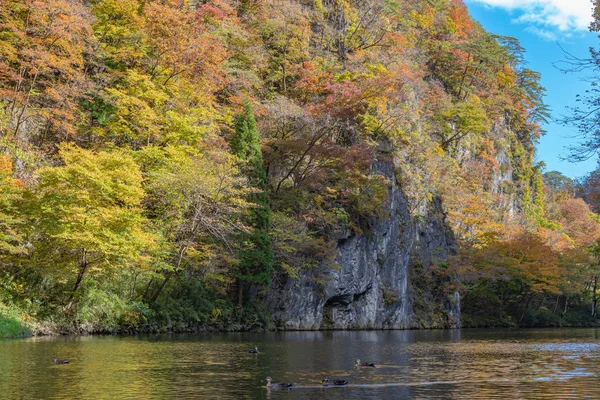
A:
(370, 285)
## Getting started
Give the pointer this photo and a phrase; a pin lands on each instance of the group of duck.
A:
(325, 382)
(277, 385)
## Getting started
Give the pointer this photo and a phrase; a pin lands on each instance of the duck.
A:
(359, 363)
(56, 361)
(335, 382)
(277, 385)
(254, 350)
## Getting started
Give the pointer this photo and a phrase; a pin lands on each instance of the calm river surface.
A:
(468, 364)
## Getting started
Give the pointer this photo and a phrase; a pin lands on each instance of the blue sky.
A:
(541, 25)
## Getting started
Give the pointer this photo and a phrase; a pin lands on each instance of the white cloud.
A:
(543, 33)
(561, 15)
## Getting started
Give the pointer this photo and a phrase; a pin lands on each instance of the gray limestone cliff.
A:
(371, 286)
(434, 244)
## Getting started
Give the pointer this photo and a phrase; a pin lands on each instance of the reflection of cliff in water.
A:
(474, 364)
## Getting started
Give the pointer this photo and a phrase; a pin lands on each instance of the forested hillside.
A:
(168, 164)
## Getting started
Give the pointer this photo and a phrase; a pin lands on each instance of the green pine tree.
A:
(256, 256)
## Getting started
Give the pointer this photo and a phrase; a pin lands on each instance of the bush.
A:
(541, 318)
(181, 306)
(580, 316)
(104, 311)
(12, 323)
(189, 305)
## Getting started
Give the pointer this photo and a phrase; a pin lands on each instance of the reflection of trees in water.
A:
(410, 364)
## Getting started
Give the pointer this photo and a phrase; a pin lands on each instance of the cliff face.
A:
(370, 288)
(434, 244)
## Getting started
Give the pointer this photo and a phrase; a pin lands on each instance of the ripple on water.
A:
(476, 365)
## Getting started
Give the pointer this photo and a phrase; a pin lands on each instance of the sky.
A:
(543, 27)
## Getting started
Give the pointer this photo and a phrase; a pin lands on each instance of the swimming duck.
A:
(335, 382)
(254, 350)
(56, 361)
(359, 363)
(277, 385)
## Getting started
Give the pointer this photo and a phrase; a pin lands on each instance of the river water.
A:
(467, 364)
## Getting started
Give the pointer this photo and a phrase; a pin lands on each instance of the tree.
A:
(559, 182)
(180, 43)
(160, 68)
(285, 36)
(256, 256)
(11, 218)
(588, 188)
(586, 117)
(42, 46)
(87, 215)
(460, 120)
(196, 199)
(512, 271)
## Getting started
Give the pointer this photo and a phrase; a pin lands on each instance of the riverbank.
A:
(160, 318)
(16, 324)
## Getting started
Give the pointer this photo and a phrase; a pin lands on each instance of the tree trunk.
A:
(147, 291)
(566, 305)
(595, 280)
(160, 288)
(464, 75)
(240, 292)
(556, 305)
(82, 267)
(20, 117)
(525, 309)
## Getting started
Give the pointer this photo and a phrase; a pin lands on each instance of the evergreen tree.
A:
(256, 256)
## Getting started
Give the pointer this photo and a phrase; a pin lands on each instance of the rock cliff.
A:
(370, 287)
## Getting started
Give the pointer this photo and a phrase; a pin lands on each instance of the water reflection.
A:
(410, 364)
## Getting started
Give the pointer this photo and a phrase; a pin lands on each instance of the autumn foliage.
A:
(180, 156)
